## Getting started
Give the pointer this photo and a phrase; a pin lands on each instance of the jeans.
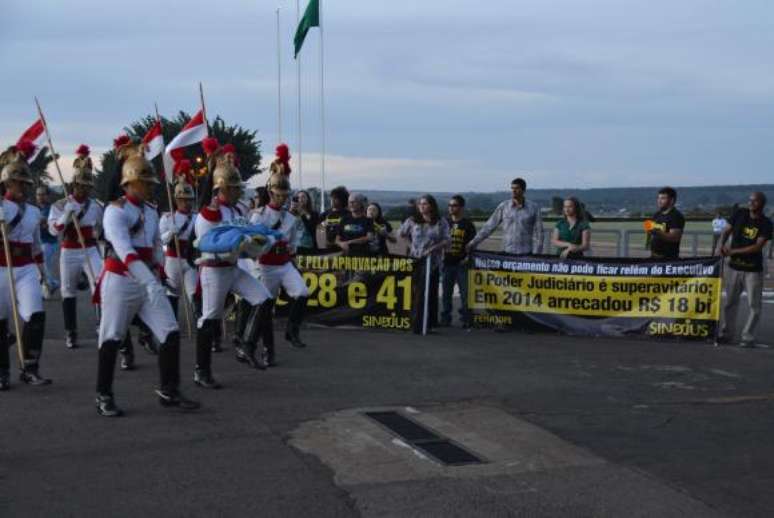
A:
(455, 274)
(49, 263)
(737, 281)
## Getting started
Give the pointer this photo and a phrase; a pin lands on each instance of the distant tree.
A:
(557, 204)
(39, 167)
(247, 145)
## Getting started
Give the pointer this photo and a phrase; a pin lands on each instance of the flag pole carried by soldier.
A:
(176, 228)
(129, 285)
(21, 296)
(74, 259)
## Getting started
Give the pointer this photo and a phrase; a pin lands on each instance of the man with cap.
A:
(276, 266)
(220, 275)
(22, 221)
(129, 285)
(74, 259)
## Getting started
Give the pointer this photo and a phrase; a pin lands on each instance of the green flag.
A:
(311, 19)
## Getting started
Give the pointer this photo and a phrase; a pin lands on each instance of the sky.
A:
(434, 95)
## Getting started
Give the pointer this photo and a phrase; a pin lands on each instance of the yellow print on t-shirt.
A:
(750, 232)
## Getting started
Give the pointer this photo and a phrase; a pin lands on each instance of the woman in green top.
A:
(572, 235)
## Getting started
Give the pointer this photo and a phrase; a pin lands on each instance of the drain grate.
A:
(440, 448)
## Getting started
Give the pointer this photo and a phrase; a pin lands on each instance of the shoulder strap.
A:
(17, 219)
(188, 220)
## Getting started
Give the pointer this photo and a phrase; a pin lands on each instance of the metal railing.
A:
(622, 243)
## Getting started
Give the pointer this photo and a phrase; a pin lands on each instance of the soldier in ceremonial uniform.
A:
(180, 224)
(129, 285)
(74, 259)
(22, 220)
(220, 275)
(276, 267)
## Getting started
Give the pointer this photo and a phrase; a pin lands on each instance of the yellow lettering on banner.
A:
(595, 296)
(357, 295)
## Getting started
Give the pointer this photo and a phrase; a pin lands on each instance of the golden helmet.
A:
(13, 163)
(83, 176)
(183, 190)
(278, 182)
(225, 174)
(82, 159)
(136, 167)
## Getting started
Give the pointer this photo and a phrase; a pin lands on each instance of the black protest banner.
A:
(597, 297)
(367, 292)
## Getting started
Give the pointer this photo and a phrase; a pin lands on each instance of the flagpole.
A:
(207, 132)
(76, 223)
(298, 84)
(172, 209)
(322, 108)
(279, 81)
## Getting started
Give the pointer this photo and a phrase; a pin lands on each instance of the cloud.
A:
(596, 92)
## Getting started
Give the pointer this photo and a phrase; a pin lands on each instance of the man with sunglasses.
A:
(751, 230)
(455, 267)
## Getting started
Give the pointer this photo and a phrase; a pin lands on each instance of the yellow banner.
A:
(595, 296)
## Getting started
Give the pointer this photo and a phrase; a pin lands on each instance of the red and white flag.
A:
(35, 134)
(154, 141)
(192, 133)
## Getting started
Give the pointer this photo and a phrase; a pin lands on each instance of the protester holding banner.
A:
(572, 234)
(521, 220)
(455, 267)
(382, 230)
(308, 219)
(750, 230)
(665, 230)
(429, 234)
(331, 219)
(356, 230)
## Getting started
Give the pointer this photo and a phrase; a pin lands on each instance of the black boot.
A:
(255, 325)
(296, 316)
(203, 371)
(127, 353)
(5, 357)
(217, 337)
(266, 330)
(169, 371)
(145, 336)
(32, 339)
(175, 302)
(243, 311)
(70, 322)
(108, 352)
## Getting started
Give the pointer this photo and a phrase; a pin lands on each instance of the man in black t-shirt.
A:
(331, 219)
(750, 230)
(455, 270)
(356, 229)
(667, 227)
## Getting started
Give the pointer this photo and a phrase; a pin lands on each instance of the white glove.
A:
(144, 276)
(168, 236)
(72, 206)
(256, 245)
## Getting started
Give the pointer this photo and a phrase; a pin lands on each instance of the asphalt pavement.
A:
(569, 427)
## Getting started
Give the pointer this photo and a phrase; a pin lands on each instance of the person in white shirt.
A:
(22, 221)
(718, 225)
(75, 260)
(129, 285)
(276, 266)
